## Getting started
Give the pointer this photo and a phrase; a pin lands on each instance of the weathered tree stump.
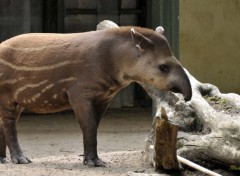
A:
(164, 142)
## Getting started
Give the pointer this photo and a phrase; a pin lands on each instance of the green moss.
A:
(216, 99)
(223, 101)
(180, 145)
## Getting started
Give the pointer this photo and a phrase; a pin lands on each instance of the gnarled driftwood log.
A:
(209, 137)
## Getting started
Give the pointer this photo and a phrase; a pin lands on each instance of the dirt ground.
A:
(54, 144)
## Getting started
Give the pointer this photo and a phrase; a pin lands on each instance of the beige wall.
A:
(210, 41)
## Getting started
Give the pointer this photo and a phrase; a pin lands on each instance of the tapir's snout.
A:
(179, 83)
(189, 97)
(187, 94)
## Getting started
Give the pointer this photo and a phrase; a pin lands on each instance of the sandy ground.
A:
(54, 144)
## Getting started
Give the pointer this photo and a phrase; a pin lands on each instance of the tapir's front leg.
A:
(100, 109)
(85, 114)
(9, 121)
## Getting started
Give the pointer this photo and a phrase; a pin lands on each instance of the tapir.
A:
(46, 73)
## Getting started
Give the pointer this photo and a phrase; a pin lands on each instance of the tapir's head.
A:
(156, 64)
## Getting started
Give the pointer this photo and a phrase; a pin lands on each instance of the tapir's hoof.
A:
(94, 162)
(20, 159)
(4, 160)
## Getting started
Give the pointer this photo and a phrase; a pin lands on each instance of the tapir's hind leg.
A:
(3, 146)
(9, 121)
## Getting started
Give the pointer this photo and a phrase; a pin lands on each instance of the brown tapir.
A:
(47, 73)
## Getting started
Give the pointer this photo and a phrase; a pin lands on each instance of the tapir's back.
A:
(40, 49)
(37, 40)
(46, 56)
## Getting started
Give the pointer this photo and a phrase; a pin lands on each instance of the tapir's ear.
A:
(140, 41)
(159, 29)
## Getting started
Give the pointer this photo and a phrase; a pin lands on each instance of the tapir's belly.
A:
(46, 103)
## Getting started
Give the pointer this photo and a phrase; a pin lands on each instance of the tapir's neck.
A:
(121, 55)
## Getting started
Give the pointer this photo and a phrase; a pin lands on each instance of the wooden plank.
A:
(116, 102)
(50, 15)
(165, 13)
(60, 16)
(108, 10)
(26, 22)
(127, 96)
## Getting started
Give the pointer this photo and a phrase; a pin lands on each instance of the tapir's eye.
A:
(163, 68)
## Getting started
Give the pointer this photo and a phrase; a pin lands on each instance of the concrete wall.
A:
(210, 41)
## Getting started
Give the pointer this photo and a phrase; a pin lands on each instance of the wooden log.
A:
(165, 138)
